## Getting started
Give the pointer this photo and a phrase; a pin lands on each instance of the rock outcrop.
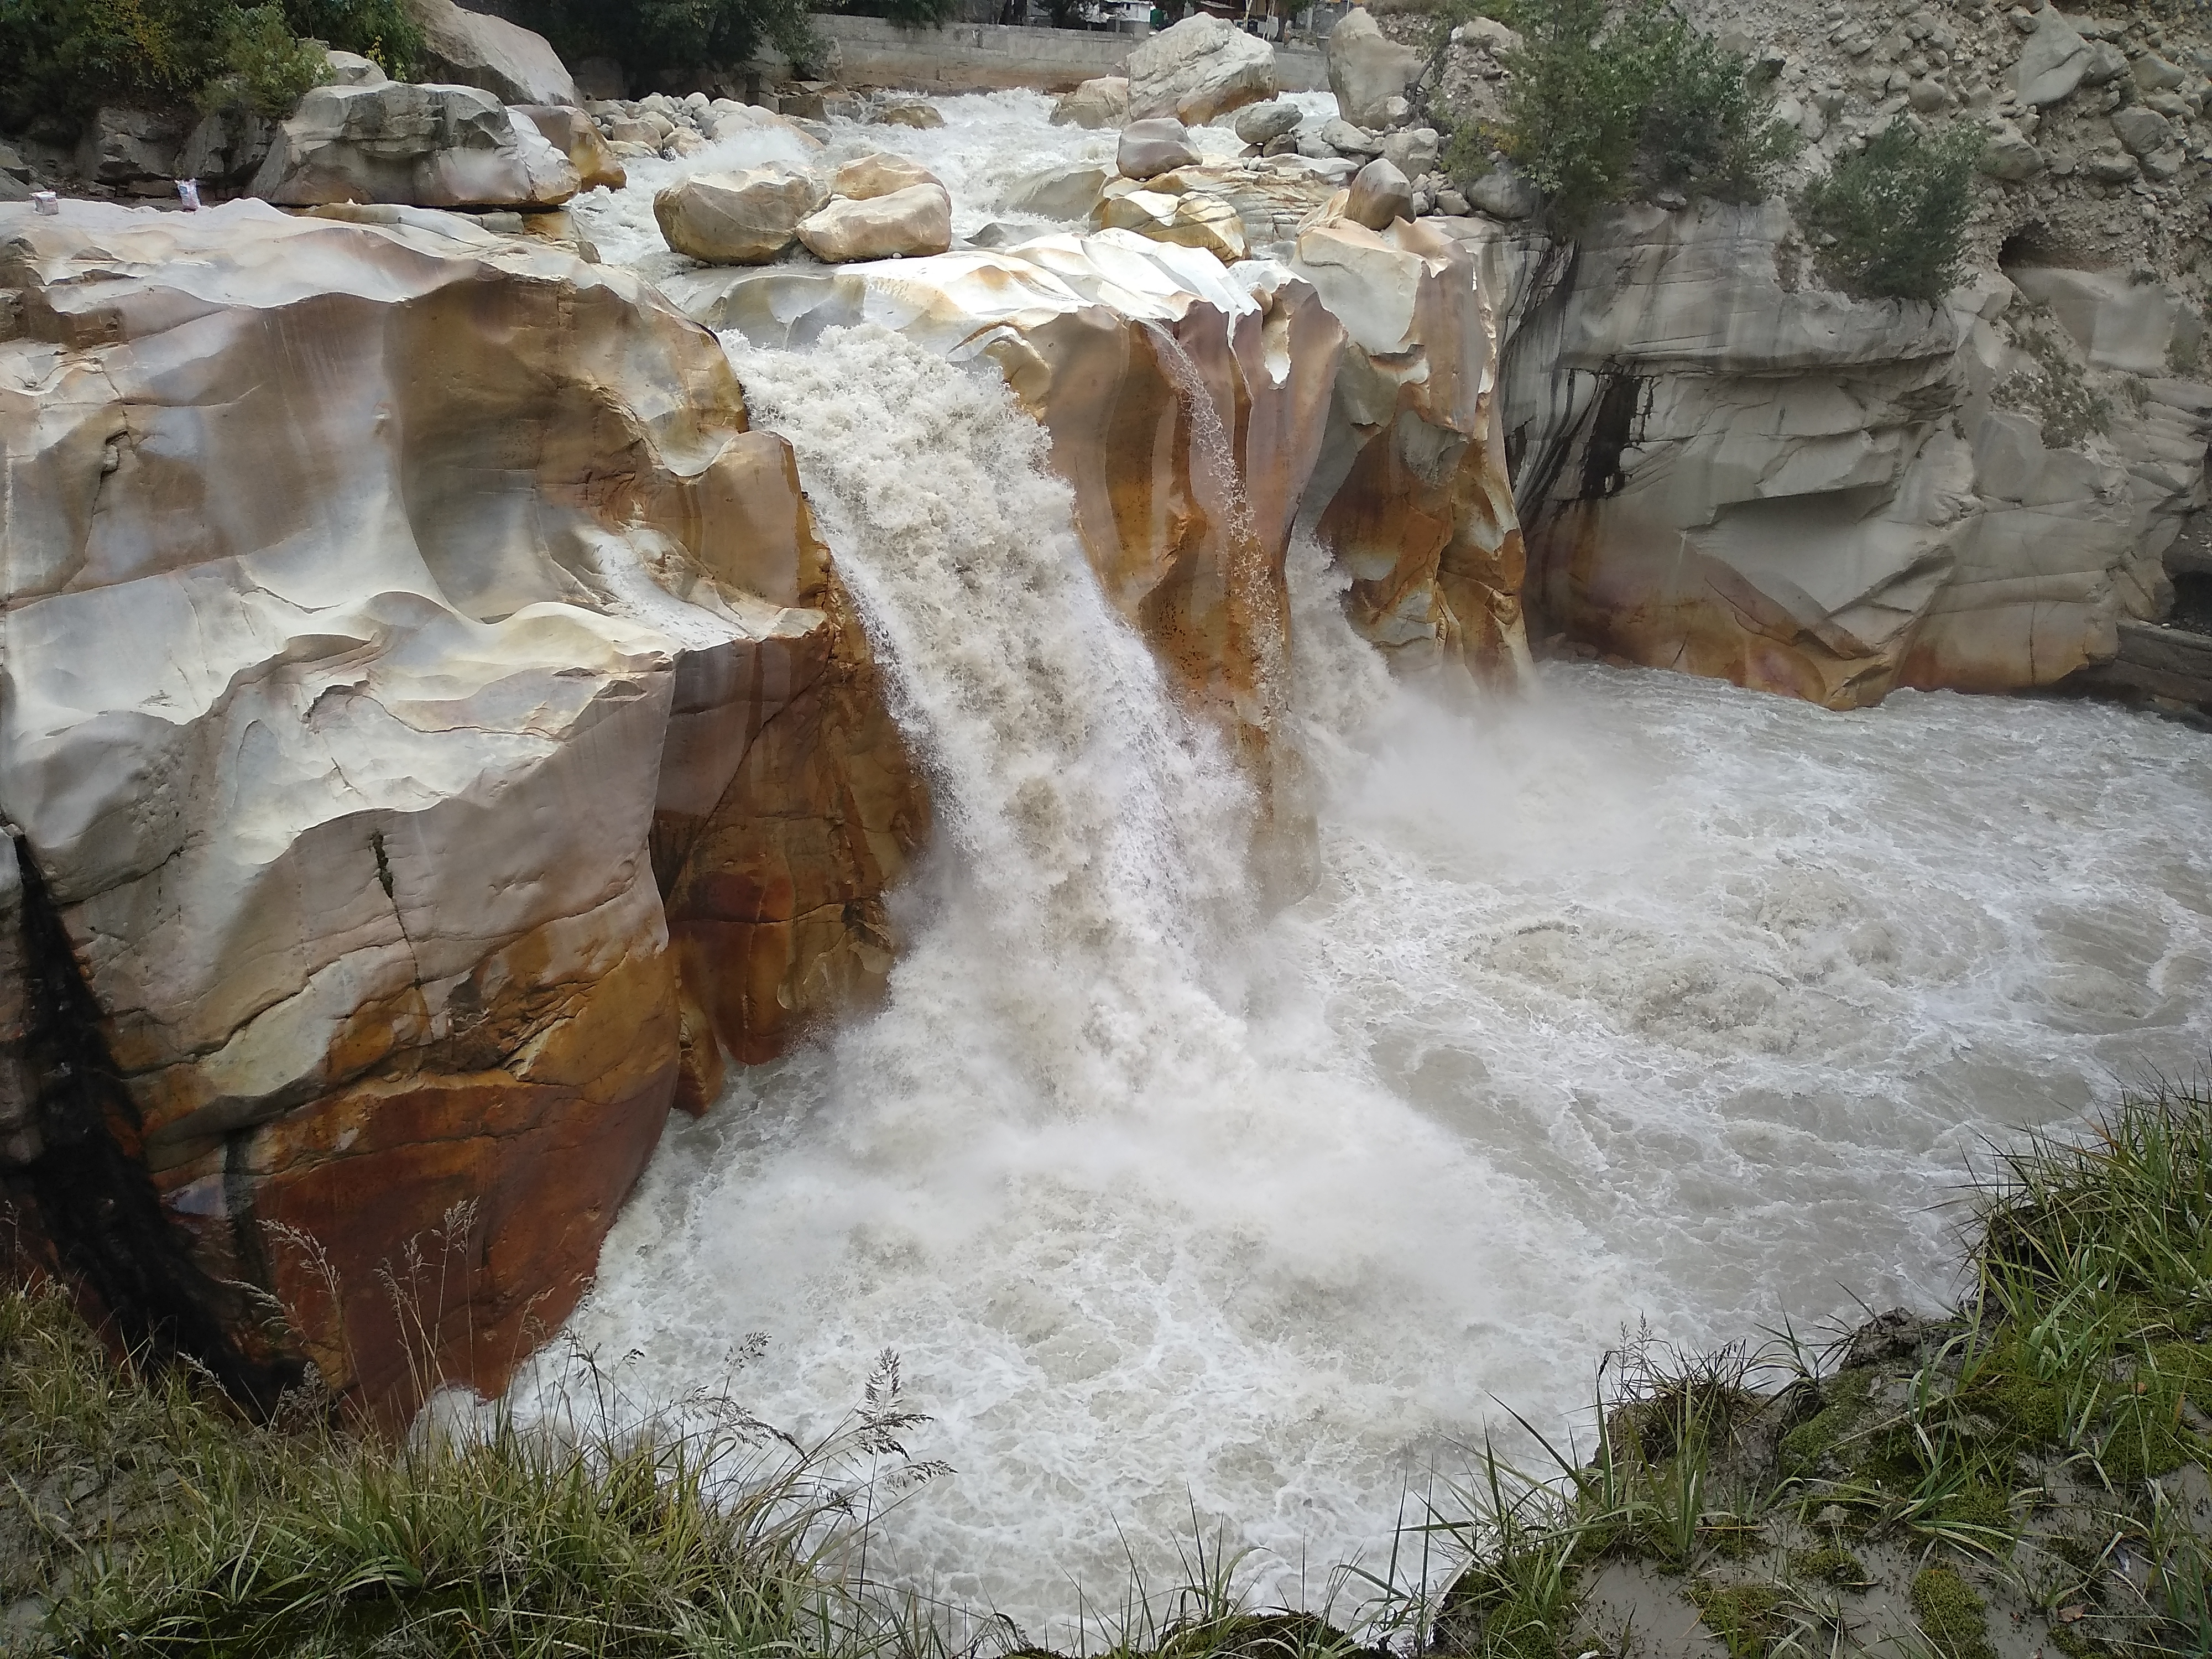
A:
(471, 49)
(424, 146)
(1734, 474)
(1199, 69)
(394, 614)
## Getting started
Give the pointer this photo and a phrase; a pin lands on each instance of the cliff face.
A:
(1726, 469)
(358, 580)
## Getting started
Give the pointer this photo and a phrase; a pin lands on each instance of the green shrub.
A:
(1890, 221)
(1608, 103)
(62, 59)
(265, 67)
(2056, 392)
(648, 37)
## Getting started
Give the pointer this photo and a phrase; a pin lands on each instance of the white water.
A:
(1642, 997)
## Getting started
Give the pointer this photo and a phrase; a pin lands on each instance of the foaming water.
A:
(1637, 997)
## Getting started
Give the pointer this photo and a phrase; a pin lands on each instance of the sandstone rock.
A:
(1067, 190)
(1412, 152)
(909, 112)
(1197, 68)
(1153, 146)
(1379, 194)
(1366, 69)
(470, 48)
(1260, 123)
(905, 223)
(2052, 62)
(2141, 129)
(738, 218)
(868, 177)
(1104, 102)
(1504, 193)
(1270, 202)
(576, 136)
(1193, 221)
(399, 143)
(344, 861)
(129, 146)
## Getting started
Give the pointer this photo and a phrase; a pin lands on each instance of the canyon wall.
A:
(383, 605)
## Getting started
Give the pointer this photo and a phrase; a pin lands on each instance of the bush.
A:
(62, 59)
(265, 67)
(1890, 222)
(1605, 105)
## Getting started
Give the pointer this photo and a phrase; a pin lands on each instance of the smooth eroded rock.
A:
(1262, 123)
(1366, 69)
(881, 174)
(1379, 194)
(1153, 146)
(1068, 190)
(472, 49)
(738, 218)
(1197, 68)
(576, 136)
(904, 224)
(421, 146)
(1104, 102)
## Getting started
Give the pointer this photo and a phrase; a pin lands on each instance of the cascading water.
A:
(1636, 996)
(1645, 997)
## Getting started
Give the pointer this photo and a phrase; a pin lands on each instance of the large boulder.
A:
(2052, 63)
(738, 218)
(577, 136)
(422, 146)
(394, 613)
(1379, 194)
(904, 224)
(1065, 189)
(471, 49)
(1153, 146)
(1104, 102)
(867, 176)
(1367, 69)
(1260, 123)
(1199, 69)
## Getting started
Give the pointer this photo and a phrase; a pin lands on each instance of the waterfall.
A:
(1639, 997)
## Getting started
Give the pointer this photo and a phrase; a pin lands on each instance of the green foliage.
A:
(61, 59)
(265, 67)
(1890, 221)
(651, 37)
(1741, 1615)
(1609, 103)
(1954, 1618)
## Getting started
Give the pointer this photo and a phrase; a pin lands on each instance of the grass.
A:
(2020, 1459)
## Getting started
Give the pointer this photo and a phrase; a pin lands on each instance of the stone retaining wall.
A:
(979, 57)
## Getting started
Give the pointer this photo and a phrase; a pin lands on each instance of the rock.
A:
(344, 859)
(12, 164)
(470, 48)
(1928, 97)
(1504, 193)
(2009, 156)
(868, 177)
(1270, 203)
(1199, 69)
(1380, 193)
(2052, 62)
(2154, 74)
(2126, 326)
(1068, 190)
(907, 222)
(2111, 167)
(127, 146)
(225, 145)
(1396, 112)
(909, 112)
(1261, 124)
(576, 136)
(2163, 166)
(2107, 65)
(1833, 557)
(1342, 139)
(1366, 69)
(738, 218)
(1487, 34)
(1451, 201)
(1282, 144)
(400, 142)
(1153, 146)
(1413, 151)
(1192, 220)
(1104, 102)
(2141, 130)
(349, 69)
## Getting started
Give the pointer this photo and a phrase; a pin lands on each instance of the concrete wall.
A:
(979, 57)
